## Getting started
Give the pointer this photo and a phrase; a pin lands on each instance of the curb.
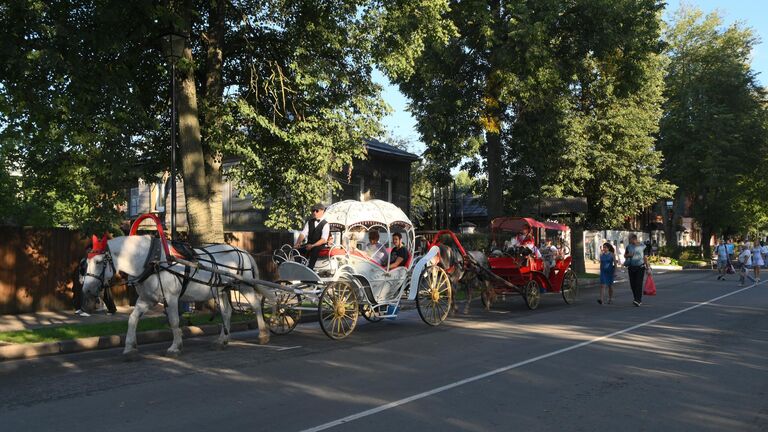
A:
(22, 351)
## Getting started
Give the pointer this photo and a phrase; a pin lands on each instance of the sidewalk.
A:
(31, 321)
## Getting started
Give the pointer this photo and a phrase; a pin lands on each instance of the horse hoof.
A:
(263, 340)
(173, 353)
(131, 356)
(218, 346)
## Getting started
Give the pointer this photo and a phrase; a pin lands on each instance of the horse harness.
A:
(153, 265)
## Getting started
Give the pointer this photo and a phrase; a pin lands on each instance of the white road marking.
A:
(441, 389)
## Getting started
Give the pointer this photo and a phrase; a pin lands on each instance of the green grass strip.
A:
(74, 331)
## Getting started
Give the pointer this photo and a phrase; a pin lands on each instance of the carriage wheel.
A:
(338, 310)
(531, 294)
(433, 300)
(281, 315)
(370, 313)
(570, 288)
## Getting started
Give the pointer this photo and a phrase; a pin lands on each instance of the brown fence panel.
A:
(38, 267)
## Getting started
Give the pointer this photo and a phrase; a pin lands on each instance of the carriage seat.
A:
(407, 262)
(328, 252)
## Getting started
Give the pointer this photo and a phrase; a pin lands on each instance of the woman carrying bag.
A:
(637, 265)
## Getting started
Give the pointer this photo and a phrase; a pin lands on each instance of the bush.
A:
(662, 260)
(470, 242)
(680, 252)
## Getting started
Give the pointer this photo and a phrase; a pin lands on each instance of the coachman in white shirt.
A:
(316, 231)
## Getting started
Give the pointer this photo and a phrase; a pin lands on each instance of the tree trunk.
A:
(577, 248)
(492, 123)
(706, 236)
(196, 192)
(495, 191)
(214, 91)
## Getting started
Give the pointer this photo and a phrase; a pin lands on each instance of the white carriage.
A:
(347, 281)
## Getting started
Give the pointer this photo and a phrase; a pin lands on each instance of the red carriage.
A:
(520, 268)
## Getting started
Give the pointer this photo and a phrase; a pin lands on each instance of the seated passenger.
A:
(549, 255)
(399, 255)
(524, 238)
(375, 250)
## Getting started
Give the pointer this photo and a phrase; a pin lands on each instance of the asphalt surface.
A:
(678, 363)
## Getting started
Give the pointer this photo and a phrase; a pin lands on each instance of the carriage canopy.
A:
(347, 214)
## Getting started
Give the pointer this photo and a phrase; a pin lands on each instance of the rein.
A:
(100, 276)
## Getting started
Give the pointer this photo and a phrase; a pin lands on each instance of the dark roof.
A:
(473, 207)
(377, 146)
(555, 206)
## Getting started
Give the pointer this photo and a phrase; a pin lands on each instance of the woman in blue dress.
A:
(607, 271)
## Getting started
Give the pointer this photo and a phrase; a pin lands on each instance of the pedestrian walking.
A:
(757, 260)
(731, 248)
(637, 263)
(77, 289)
(721, 251)
(621, 251)
(745, 260)
(608, 264)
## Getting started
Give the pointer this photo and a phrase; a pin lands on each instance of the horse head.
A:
(100, 269)
(108, 257)
(451, 261)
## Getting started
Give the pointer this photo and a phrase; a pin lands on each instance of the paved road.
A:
(675, 364)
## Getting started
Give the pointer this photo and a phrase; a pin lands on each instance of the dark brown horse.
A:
(465, 272)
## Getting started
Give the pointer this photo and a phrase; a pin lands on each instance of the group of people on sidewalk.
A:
(634, 257)
(751, 256)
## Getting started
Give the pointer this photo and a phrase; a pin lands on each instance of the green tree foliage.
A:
(609, 154)
(285, 86)
(503, 87)
(713, 133)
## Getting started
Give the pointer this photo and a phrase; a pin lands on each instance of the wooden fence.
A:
(38, 267)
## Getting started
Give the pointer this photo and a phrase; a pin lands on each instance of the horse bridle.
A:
(100, 276)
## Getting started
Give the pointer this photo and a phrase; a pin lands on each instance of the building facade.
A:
(385, 174)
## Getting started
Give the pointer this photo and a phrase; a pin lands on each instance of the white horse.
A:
(159, 281)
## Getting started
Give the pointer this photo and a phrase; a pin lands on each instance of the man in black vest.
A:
(316, 231)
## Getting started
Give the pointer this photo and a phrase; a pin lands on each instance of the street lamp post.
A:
(173, 48)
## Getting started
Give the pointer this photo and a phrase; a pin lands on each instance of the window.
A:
(133, 205)
(160, 194)
(388, 189)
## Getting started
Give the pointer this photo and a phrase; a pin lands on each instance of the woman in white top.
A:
(745, 259)
(757, 260)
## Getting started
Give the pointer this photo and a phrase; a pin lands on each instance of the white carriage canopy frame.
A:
(345, 215)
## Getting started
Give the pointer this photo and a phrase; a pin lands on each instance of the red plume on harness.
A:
(99, 246)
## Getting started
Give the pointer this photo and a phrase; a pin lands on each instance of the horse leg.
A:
(173, 319)
(489, 294)
(226, 319)
(263, 330)
(254, 299)
(469, 284)
(142, 306)
(454, 308)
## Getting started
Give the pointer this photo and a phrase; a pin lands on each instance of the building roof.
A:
(555, 206)
(472, 207)
(377, 146)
